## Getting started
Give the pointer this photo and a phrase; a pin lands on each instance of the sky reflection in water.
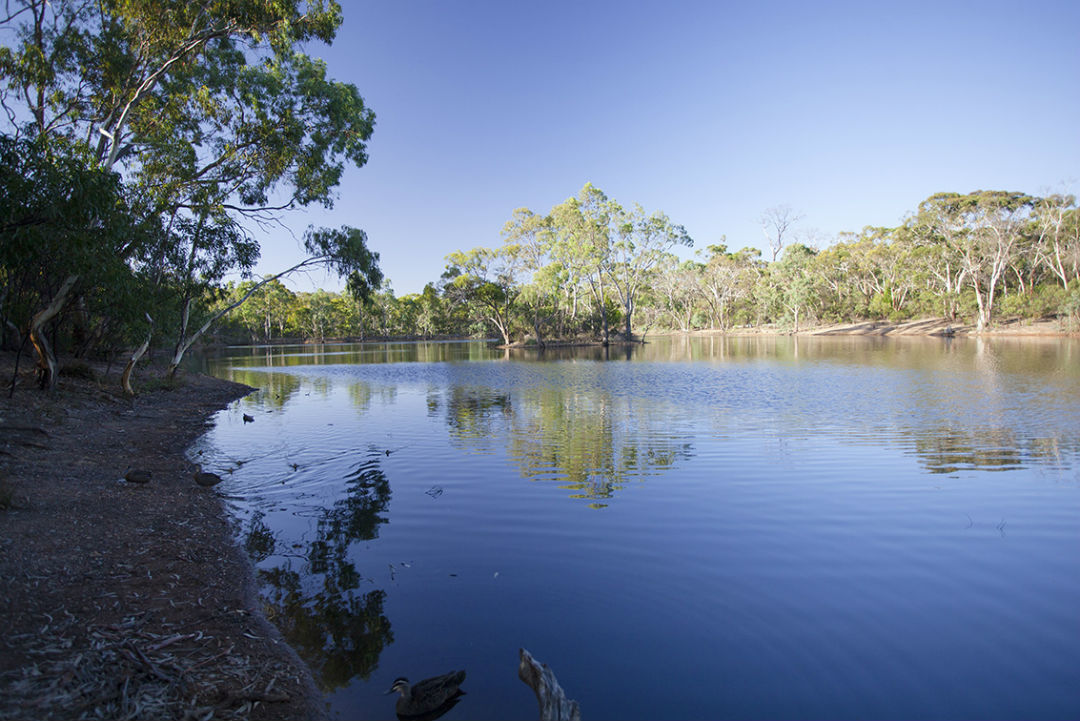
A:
(710, 528)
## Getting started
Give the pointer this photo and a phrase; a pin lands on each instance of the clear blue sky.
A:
(849, 112)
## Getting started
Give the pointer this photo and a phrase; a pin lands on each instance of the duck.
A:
(248, 419)
(429, 698)
(205, 478)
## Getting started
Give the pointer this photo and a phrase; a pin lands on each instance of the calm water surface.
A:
(706, 528)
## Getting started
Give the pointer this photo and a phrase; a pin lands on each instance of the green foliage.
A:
(1043, 301)
(347, 253)
(61, 218)
(1070, 307)
(961, 256)
(209, 114)
(880, 305)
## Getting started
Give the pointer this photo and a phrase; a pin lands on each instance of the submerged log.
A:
(554, 706)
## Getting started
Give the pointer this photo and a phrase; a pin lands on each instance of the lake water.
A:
(693, 529)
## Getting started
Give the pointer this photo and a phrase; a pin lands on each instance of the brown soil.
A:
(124, 600)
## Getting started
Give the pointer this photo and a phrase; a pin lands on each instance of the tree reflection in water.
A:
(949, 450)
(338, 630)
(592, 443)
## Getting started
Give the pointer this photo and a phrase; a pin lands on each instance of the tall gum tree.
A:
(208, 107)
(641, 242)
(777, 225)
(532, 236)
(1056, 227)
(937, 234)
(487, 279)
(793, 285)
(983, 229)
(583, 237)
(727, 278)
(63, 225)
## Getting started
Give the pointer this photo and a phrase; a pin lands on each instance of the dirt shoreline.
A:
(125, 600)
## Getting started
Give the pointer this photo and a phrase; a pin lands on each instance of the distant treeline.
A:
(589, 266)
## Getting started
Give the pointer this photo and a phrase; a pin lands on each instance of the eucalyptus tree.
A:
(429, 313)
(582, 245)
(876, 264)
(844, 293)
(641, 242)
(209, 108)
(386, 309)
(191, 259)
(267, 307)
(320, 315)
(487, 280)
(63, 226)
(677, 284)
(590, 241)
(777, 224)
(937, 234)
(1056, 227)
(726, 279)
(792, 283)
(532, 237)
(983, 229)
(342, 250)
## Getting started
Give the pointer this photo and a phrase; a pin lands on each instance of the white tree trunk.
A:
(46, 357)
(125, 378)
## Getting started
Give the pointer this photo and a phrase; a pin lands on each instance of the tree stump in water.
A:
(554, 706)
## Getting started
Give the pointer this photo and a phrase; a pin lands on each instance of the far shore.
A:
(928, 327)
(940, 327)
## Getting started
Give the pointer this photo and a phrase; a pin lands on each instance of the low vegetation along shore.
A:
(127, 600)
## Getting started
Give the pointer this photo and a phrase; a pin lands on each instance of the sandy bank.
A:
(921, 327)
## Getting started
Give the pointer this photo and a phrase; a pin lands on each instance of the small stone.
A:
(137, 475)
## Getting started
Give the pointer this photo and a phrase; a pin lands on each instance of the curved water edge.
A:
(838, 526)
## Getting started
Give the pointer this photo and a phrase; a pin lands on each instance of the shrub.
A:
(78, 370)
(1044, 301)
(1070, 307)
